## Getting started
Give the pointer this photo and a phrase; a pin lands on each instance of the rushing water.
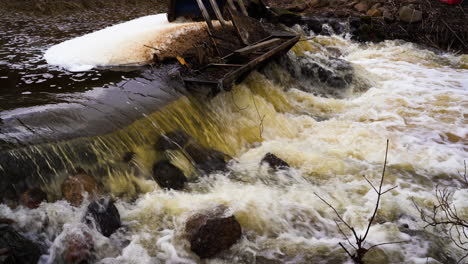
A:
(414, 97)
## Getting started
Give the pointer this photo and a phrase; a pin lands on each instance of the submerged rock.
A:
(79, 248)
(172, 140)
(207, 160)
(32, 198)
(274, 162)
(212, 232)
(75, 186)
(16, 248)
(103, 216)
(168, 176)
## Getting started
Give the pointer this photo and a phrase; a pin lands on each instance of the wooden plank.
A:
(242, 70)
(234, 75)
(256, 47)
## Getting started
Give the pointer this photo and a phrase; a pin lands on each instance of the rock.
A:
(168, 176)
(103, 216)
(376, 6)
(6, 221)
(212, 232)
(317, 3)
(274, 162)
(376, 256)
(172, 140)
(9, 197)
(388, 15)
(362, 7)
(297, 7)
(79, 248)
(32, 198)
(128, 156)
(409, 15)
(374, 12)
(207, 160)
(75, 186)
(16, 247)
(437, 246)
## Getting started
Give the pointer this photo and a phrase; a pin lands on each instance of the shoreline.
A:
(428, 22)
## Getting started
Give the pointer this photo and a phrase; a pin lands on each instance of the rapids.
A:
(414, 97)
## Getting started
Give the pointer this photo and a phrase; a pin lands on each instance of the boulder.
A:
(212, 232)
(103, 216)
(274, 162)
(32, 198)
(172, 140)
(79, 249)
(207, 160)
(168, 176)
(75, 186)
(16, 248)
(409, 15)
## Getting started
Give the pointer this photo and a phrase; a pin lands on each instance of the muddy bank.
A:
(427, 22)
(55, 7)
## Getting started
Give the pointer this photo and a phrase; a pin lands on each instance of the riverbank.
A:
(63, 7)
(427, 22)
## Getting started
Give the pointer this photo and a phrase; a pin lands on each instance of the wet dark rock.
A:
(103, 216)
(6, 221)
(207, 160)
(212, 232)
(388, 15)
(17, 248)
(74, 187)
(172, 140)
(335, 73)
(128, 156)
(79, 249)
(32, 198)
(168, 176)
(274, 162)
(9, 196)
(409, 15)
(438, 246)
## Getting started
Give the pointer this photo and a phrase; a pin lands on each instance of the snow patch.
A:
(130, 43)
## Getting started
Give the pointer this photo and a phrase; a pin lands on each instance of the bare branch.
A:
(370, 183)
(388, 243)
(379, 194)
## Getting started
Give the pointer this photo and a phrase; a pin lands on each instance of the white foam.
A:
(123, 44)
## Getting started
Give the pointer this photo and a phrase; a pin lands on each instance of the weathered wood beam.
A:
(259, 46)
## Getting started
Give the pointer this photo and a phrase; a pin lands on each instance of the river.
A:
(56, 121)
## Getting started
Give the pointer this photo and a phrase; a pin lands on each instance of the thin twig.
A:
(379, 194)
